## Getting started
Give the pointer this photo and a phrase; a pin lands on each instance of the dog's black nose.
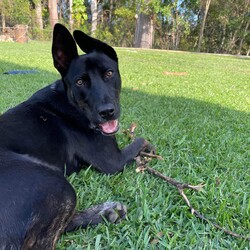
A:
(107, 111)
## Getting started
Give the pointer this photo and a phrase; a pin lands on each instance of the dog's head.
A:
(92, 81)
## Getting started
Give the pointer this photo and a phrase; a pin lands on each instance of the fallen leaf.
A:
(175, 73)
(156, 240)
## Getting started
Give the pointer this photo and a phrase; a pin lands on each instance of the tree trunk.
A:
(144, 30)
(175, 26)
(94, 13)
(39, 15)
(248, 51)
(242, 39)
(221, 50)
(71, 22)
(3, 23)
(39, 20)
(173, 32)
(111, 9)
(53, 14)
(203, 25)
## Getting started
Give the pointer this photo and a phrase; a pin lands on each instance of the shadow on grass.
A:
(210, 133)
(169, 122)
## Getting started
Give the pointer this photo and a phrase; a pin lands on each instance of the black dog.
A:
(62, 127)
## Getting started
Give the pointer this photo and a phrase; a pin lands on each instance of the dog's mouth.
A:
(109, 127)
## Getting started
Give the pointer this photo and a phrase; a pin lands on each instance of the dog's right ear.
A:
(63, 48)
(89, 44)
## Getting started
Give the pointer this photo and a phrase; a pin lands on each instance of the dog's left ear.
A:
(63, 48)
(89, 44)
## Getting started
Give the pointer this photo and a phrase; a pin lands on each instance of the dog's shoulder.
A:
(51, 97)
(51, 94)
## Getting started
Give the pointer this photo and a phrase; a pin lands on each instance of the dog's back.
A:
(35, 128)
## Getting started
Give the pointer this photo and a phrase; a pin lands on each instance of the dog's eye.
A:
(80, 82)
(108, 74)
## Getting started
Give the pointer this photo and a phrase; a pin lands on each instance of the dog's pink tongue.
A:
(109, 127)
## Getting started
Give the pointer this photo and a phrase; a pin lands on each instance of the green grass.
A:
(200, 124)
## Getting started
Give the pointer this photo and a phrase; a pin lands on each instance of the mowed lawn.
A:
(195, 108)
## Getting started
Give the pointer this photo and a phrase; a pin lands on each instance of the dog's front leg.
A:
(134, 149)
(111, 159)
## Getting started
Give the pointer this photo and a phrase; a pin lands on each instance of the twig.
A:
(142, 166)
(131, 131)
(151, 155)
(173, 182)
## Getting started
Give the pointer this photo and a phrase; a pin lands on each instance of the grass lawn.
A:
(195, 108)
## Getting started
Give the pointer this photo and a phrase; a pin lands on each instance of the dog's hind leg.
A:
(113, 212)
(50, 221)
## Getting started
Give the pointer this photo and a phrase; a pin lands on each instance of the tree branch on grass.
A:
(142, 161)
(141, 164)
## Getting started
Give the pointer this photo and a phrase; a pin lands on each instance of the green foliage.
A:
(199, 122)
(125, 18)
(79, 12)
(104, 34)
(17, 10)
(125, 13)
(230, 21)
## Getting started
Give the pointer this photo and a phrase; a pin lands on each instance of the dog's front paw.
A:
(113, 211)
(148, 147)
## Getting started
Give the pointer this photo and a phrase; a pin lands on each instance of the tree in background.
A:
(3, 12)
(215, 26)
(71, 21)
(227, 29)
(38, 26)
(205, 4)
(123, 16)
(53, 12)
(144, 30)
(79, 15)
(94, 16)
(15, 11)
(39, 15)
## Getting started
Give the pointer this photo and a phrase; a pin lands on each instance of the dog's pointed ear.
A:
(63, 48)
(89, 44)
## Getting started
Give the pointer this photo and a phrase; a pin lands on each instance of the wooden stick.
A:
(131, 131)
(142, 166)
(151, 155)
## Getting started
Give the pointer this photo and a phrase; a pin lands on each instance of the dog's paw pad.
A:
(114, 211)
